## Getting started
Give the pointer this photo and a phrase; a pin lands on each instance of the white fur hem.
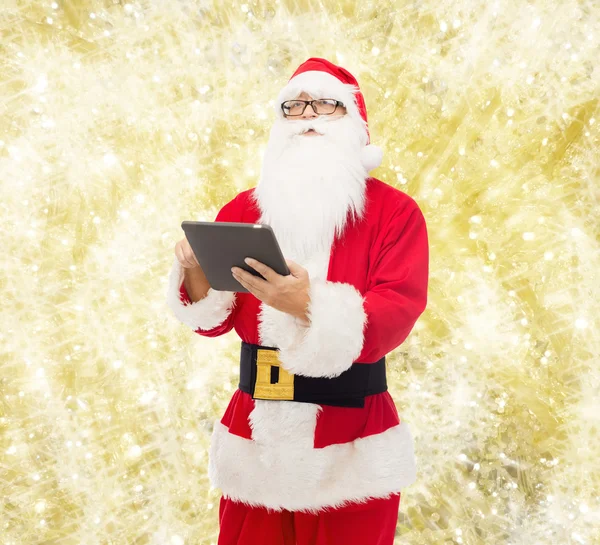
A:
(334, 338)
(298, 477)
(205, 314)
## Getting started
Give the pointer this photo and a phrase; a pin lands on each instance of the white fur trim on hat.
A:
(371, 157)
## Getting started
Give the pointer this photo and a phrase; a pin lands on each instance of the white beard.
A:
(311, 186)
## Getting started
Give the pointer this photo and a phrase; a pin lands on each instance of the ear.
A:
(371, 157)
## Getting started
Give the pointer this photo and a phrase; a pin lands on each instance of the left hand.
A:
(288, 294)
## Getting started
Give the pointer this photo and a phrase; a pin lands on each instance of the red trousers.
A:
(370, 523)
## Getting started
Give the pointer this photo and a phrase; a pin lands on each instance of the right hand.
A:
(185, 254)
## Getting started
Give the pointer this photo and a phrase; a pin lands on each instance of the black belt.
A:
(262, 376)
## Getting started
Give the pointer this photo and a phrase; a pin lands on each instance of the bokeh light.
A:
(120, 120)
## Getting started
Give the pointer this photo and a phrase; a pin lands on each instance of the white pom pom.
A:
(371, 157)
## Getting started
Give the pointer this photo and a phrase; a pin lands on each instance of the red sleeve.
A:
(231, 212)
(397, 292)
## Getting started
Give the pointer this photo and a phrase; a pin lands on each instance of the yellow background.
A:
(118, 121)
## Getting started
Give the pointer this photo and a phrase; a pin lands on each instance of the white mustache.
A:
(296, 127)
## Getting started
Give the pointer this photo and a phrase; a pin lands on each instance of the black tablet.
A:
(218, 246)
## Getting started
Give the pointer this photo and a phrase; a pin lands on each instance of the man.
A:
(326, 464)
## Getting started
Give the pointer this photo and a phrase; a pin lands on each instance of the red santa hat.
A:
(323, 79)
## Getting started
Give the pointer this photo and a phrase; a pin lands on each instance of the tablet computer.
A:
(218, 246)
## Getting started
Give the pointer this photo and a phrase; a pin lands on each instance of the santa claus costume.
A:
(311, 449)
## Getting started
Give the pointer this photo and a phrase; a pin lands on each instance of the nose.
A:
(309, 113)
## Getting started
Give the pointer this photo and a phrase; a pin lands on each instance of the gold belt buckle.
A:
(263, 389)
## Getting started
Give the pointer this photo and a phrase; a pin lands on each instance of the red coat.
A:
(375, 290)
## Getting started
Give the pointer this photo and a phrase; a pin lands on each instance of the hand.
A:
(288, 294)
(185, 254)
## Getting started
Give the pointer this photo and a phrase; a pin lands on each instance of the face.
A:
(310, 187)
(309, 113)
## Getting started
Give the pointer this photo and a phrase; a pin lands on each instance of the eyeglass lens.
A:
(297, 107)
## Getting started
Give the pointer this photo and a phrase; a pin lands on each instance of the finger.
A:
(182, 258)
(190, 255)
(257, 284)
(246, 285)
(263, 269)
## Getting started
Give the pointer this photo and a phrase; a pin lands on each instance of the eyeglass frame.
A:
(310, 102)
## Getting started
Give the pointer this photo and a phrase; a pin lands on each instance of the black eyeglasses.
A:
(322, 106)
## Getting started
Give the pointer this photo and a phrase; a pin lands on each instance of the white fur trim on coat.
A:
(205, 314)
(298, 477)
(334, 338)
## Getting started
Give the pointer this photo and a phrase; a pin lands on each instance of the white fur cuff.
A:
(205, 314)
(334, 338)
